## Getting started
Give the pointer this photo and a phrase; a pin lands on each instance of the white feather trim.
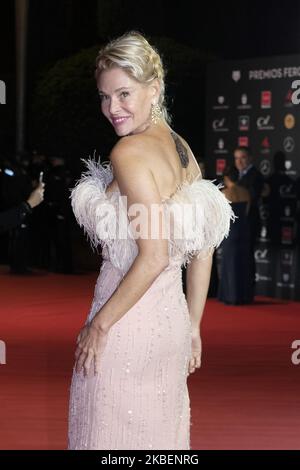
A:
(199, 211)
(102, 215)
(202, 216)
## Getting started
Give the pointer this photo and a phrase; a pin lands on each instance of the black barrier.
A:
(254, 103)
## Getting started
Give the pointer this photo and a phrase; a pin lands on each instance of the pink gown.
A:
(139, 399)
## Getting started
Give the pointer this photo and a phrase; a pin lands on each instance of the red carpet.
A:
(245, 396)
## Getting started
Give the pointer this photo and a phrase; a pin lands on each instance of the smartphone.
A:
(41, 176)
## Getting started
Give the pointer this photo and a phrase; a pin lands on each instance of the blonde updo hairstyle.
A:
(133, 53)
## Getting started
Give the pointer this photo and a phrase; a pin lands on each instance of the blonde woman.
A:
(142, 338)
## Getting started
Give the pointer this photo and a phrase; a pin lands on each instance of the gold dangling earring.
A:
(156, 113)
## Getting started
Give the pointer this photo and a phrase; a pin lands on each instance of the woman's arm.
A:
(197, 276)
(197, 283)
(136, 182)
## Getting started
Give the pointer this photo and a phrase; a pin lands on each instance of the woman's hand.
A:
(195, 360)
(90, 343)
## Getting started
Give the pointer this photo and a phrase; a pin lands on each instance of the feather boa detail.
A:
(102, 216)
(200, 212)
(202, 215)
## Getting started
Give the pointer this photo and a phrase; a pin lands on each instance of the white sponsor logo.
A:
(288, 164)
(2, 92)
(244, 99)
(221, 103)
(263, 123)
(289, 144)
(219, 125)
(244, 102)
(285, 284)
(220, 144)
(265, 167)
(236, 75)
(261, 256)
(287, 211)
(263, 232)
(220, 147)
(260, 277)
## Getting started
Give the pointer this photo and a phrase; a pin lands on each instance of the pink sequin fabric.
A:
(139, 399)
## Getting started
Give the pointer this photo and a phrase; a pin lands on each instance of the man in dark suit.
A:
(251, 178)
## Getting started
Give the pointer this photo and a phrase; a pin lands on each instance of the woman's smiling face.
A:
(125, 102)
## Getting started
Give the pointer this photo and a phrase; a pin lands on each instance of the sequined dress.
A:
(139, 399)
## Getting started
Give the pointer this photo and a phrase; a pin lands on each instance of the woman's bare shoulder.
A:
(134, 146)
(129, 162)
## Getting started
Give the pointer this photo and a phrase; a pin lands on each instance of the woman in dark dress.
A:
(236, 285)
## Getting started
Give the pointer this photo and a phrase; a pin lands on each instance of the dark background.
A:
(219, 30)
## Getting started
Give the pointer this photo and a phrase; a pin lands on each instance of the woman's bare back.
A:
(165, 162)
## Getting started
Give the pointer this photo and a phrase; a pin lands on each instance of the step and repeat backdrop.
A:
(255, 103)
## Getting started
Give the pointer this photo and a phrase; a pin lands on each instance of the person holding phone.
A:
(13, 217)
